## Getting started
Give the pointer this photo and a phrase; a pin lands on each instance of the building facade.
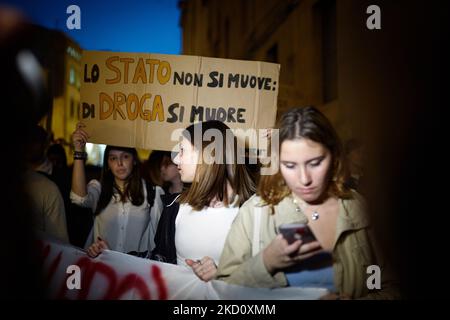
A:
(60, 57)
(309, 38)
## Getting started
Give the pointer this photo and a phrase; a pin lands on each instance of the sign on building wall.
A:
(139, 100)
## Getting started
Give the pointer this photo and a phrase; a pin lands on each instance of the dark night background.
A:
(403, 71)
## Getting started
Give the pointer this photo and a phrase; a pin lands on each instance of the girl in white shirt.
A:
(194, 233)
(124, 221)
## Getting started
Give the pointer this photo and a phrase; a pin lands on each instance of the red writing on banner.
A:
(116, 285)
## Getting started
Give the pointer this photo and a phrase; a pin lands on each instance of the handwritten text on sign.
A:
(139, 99)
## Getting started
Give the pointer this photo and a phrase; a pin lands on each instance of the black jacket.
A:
(165, 250)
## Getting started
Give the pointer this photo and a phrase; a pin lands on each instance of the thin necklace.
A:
(303, 206)
(119, 188)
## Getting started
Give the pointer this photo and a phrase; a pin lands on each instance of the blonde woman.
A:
(309, 188)
(192, 229)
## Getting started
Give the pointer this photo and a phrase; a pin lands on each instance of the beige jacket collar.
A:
(352, 213)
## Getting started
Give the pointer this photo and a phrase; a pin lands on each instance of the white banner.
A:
(71, 274)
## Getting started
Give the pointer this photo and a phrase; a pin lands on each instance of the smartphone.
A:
(296, 231)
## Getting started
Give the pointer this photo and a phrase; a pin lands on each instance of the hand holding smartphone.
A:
(297, 231)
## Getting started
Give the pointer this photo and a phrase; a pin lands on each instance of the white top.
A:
(123, 226)
(202, 233)
(49, 215)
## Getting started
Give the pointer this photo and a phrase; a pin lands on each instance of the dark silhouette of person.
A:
(24, 101)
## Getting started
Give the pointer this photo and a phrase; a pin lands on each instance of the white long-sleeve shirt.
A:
(123, 226)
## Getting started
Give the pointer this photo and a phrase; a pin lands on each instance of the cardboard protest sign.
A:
(70, 274)
(138, 100)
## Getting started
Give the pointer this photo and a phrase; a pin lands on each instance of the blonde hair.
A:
(211, 177)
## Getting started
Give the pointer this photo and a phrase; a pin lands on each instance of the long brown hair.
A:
(210, 180)
(134, 190)
(306, 123)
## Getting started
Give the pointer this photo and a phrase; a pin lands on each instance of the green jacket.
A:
(353, 252)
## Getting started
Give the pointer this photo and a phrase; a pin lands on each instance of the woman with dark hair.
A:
(170, 175)
(127, 210)
(308, 189)
(160, 170)
(192, 231)
(151, 168)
